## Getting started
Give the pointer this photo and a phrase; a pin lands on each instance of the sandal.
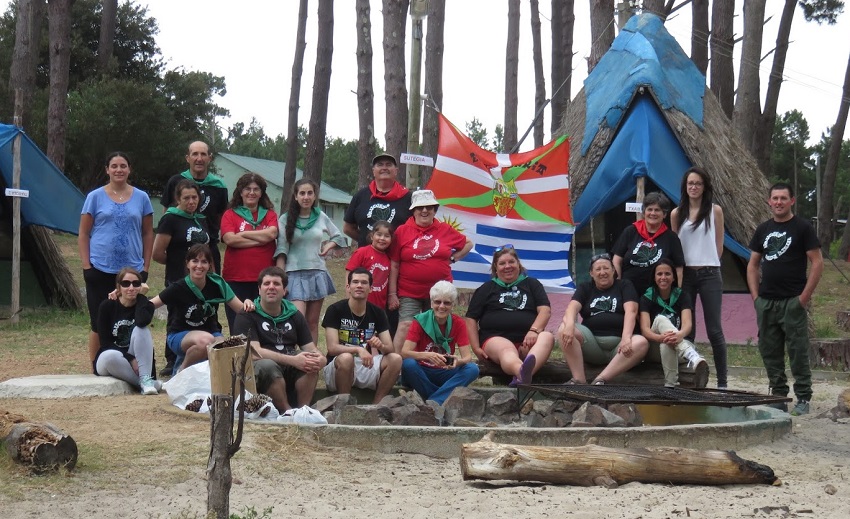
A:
(574, 382)
(599, 382)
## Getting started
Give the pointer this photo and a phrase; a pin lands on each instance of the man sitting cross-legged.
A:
(360, 350)
(286, 363)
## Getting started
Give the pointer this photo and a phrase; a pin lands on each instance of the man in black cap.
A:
(383, 199)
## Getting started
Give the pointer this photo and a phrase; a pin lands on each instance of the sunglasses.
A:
(597, 257)
(506, 246)
(127, 283)
(437, 302)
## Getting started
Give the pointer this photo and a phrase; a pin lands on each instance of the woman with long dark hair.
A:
(309, 234)
(699, 223)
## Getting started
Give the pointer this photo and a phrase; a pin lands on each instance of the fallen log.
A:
(42, 447)
(595, 465)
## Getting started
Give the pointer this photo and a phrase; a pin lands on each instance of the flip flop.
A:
(525, 372)
(514, 381)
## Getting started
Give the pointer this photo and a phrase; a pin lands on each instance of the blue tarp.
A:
(54, 201)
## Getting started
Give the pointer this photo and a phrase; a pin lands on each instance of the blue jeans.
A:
(708, 283)
(435, 383)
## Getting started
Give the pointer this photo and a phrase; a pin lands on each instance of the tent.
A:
(645, 112)
(53, 203)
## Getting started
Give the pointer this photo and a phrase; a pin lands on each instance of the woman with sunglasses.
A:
(507, 317)
(606, 336)
(432, 365)
(193, 305)
(126, 343)
(422, 253)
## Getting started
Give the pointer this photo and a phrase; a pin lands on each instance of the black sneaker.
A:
(168, 370)
(782, 406)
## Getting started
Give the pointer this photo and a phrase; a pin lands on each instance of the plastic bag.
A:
(259, 407)
(188, 385)
(303, 415)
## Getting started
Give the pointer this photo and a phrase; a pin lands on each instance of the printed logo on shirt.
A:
(279, 334)
(195, 316)
(197, 235)
(378, 211)
(205, 202)
(425, 247)
(380, 277)
(645, 254)
(513, 299)
(674, 319)
(122, 330)
(775, 245)
(603, 304)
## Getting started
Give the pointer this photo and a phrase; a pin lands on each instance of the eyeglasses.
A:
(506, 246)
(126, 283)
(695, 184)
(251, 190)
(437, 302)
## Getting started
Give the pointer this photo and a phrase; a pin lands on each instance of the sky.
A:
(251, 43)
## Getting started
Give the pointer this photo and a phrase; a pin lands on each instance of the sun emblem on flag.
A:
(454, 222)
(504, 197)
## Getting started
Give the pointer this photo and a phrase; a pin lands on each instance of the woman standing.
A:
(699, 224)
(249, 229)
(422, 253)
(126, 342)
(116, 230)
(309, 234)
(643, 243)
(180, 228)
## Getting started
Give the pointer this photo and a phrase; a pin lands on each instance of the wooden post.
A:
(640, 186)
(219, 476)
(16, 211)
(418, 10)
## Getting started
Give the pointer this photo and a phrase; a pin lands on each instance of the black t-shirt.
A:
(640, 256)
(365, 210)
(654, 309)
(783, 247)
(603, 311)
(184, 233)
(115, 322)
(212, 204)
(507, 313)
(340, 317)
(285, 337)
(186, 311)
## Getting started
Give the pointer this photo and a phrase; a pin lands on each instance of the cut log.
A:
(42, 447)
(645, 373)
(830, 354)
(595, 465)
(843, 320)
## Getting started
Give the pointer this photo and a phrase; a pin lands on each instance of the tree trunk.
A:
(539, 80)
(601, 30)
(699, 34)
(365, 94)
(511, 77)
(42, 447)
(434, 48)
(836, 137)
(395, 89)
(106, 44)
(747, 114)
(59, 23)
(25, 57)
(655, 7)
(563, 21)
(321, 88)
(844, 248)
(294, 98)
(219, 476)
(595, 465)
(722, 47)
(764, 135)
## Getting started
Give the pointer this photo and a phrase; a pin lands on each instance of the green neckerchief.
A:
(222, 285)
(311, 220)
(502, 284)
(209, 181)
(245, 213)
(183, 214)
(429, 323)
(655, 297)
(287, 310)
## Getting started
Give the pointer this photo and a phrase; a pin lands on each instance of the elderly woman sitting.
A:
(432, 365)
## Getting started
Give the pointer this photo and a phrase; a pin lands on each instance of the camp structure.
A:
(645, 111)
(53, 202)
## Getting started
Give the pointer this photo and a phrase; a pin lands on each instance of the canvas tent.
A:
(53, 203)
(645, 111)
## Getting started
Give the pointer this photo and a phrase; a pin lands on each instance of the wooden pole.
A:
(640, 186)
(418, 9)
(16, 211)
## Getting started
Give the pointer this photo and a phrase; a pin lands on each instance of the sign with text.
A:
(634, 207)
(20, 193)
(419, 160)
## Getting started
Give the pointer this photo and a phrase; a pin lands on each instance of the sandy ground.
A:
(159, 472)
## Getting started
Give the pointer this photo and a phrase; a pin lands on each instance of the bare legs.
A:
(311, 311)
(505, 354)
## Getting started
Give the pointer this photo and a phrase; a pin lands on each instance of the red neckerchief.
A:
(640, 225)
(392, 195)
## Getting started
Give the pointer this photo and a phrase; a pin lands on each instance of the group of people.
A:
(397, 319)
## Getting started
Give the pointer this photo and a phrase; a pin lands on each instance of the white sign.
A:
(634, 207)
(20, 193)
(419, 160)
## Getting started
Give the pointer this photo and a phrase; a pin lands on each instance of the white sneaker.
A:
(147, 385)
(694, 358)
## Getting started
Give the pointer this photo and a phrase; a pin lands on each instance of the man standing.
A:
(383, 199)
(360, 350)
(212, 204)
(286, 362)
(782, 246)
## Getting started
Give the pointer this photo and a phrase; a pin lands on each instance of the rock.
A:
(329, 416)
(557, 419)
(628, 412)
(439, 411)
(503, 403)
(363, 415)
(527, 407)
(395, 401)
(334, 402)
(534, 419)
(542, 406)
(844, 400)
(412, 414)
(412, 397)
(831, 490)
(463, 422)
(591, 415)
(563, 406)
(468, 403)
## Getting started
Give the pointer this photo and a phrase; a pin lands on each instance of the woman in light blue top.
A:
(309, 234)
(116, 231)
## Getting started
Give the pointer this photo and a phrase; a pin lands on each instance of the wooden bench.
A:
(557, 372)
